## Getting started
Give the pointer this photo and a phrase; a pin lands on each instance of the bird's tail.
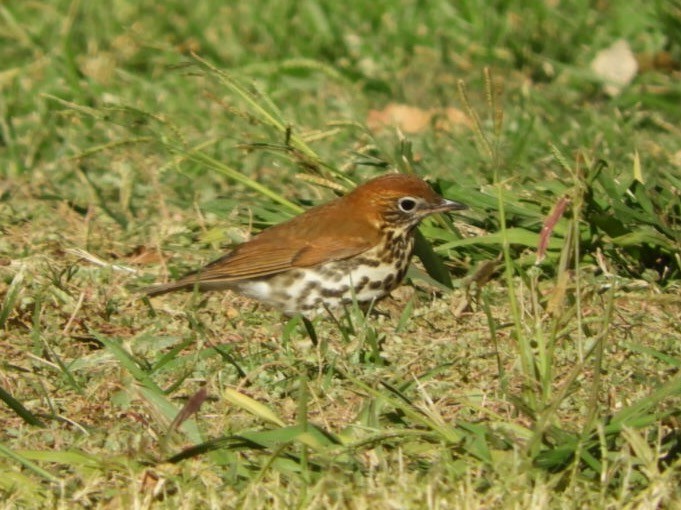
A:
(163, 288)
(189, 283)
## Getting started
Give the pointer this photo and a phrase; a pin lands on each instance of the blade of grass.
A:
(252, 406)
(11, 296)
(19, 408)
(34, 468)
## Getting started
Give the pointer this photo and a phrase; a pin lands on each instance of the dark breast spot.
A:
(389, 280)
(376, 284)
(364, 261)
(310, 286)
(359, 286)
(337, 292)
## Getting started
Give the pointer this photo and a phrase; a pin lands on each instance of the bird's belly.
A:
(309, 291)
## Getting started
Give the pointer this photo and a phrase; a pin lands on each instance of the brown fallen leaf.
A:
(411, 119)
(451, 119)
(143, 255)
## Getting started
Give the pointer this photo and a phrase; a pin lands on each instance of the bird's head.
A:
(399, 201)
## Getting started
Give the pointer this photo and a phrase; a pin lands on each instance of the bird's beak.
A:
(447, 205)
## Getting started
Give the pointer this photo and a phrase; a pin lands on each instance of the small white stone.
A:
(616, 66)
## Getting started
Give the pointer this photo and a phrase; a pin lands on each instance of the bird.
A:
(355, 248)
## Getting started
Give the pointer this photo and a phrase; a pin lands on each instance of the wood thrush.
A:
(357, 246)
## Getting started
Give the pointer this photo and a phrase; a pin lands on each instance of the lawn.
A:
(531, 358)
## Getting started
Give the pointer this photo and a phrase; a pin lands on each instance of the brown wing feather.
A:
(256, 258)
(324, 233)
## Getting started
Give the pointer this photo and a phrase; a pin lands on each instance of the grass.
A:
(139, 140)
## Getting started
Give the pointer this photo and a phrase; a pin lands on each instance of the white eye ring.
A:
(407, 204)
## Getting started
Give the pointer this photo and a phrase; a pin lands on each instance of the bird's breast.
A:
(362, 278)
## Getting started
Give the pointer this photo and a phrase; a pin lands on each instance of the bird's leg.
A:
(369, 309)
(343, 330)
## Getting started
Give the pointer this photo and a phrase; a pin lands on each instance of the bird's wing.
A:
(329, 249)
(255, 259)
(324, 233)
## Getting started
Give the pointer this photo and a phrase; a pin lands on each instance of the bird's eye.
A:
(406, 204)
